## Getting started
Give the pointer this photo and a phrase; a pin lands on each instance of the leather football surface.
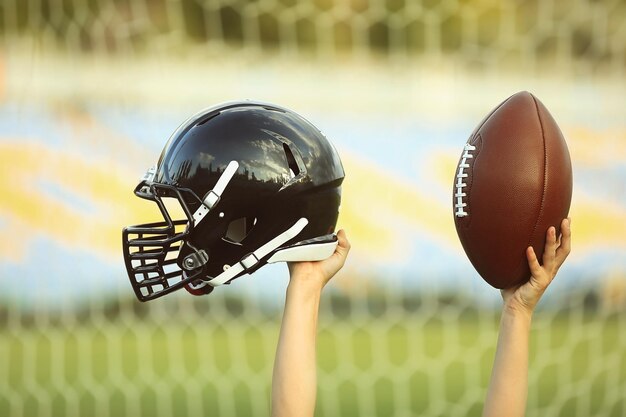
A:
(513, 181)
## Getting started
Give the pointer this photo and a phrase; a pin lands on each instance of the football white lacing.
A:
(460, 205)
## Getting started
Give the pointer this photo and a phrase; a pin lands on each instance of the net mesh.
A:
(577, 35)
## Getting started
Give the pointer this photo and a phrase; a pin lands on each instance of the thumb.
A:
(343, 245)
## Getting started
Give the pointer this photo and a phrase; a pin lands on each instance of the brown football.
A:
(513, 181)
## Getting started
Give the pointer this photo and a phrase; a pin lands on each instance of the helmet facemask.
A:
(151, 250)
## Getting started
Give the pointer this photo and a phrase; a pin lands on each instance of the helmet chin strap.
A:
(251, 259)
(213, 197)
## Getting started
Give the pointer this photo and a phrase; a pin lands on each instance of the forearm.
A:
(295, 379)
(508, 388)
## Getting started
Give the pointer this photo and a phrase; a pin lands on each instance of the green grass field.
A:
(370, 367)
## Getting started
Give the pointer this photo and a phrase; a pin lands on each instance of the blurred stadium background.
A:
(91, 89)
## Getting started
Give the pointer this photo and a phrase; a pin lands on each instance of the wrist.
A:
(305, 287)
(516, 309)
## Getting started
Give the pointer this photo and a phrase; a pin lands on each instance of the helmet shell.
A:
(287, 170)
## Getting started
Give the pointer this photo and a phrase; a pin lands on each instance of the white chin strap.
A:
(312, 252)
(253, 258)
(213, 197)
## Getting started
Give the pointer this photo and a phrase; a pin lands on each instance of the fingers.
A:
(555, 251)
(566, 242)
(342, 240)
(533, 263)
(539, 278)
(343, 246)
(549, 252)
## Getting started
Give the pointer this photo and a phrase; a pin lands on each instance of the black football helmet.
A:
(257, 184)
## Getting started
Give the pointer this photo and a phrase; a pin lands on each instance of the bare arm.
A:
(294, 382)
(508, 388)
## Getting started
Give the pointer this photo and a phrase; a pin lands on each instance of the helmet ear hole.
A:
(239, 228)
(294, 169)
